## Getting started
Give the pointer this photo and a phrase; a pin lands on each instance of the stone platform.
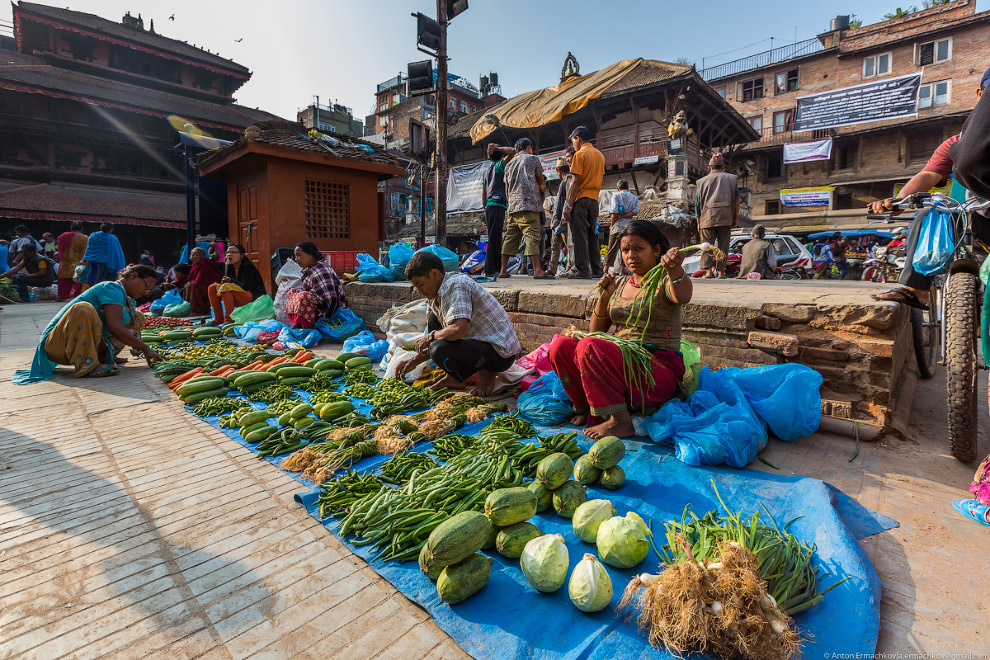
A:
(860, 346)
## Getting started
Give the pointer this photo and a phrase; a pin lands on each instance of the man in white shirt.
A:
(624, 207)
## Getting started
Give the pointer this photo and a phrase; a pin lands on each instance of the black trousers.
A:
(915, 280)
(463, 358)
(584, 224)
(495, 219)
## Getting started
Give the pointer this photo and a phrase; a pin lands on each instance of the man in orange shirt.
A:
(581, 207)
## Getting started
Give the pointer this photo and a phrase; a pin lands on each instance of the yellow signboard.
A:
(946, 189)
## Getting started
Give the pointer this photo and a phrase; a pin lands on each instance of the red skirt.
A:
(591, 372)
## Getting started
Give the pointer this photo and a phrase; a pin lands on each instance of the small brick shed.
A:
(284, 187)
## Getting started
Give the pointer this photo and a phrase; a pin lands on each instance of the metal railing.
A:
(759, 60)
(394, 82)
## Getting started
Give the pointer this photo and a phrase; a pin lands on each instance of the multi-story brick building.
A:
(946, 44)
(334, 118)
(89, 110)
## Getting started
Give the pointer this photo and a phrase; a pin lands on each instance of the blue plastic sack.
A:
(172, 297)
(726, 419)
(340, 326)
(250, 330)
(299, 337)
(545, 402)
(398, 256)
(933, 254)
(369, 270)
(364, 343)
(449, 259)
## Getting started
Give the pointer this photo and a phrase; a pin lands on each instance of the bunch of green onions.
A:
(637, 362)
(784, 560)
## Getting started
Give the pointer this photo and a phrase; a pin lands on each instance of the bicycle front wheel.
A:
(961, 332)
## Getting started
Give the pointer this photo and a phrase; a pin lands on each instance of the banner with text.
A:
(818, 196)
(803, 152)
(549, 163)
(465, 187)
(890, 98)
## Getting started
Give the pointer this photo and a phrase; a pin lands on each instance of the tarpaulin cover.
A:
(550, 104)
(509, 619)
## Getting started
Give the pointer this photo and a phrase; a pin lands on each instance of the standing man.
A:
(558, 229)
(524, 184)
(758, 256)
(717, 202)
(496, 204)
(468, 331)
(581, 208)
(624, 207)
(839, 249)
(23, 238)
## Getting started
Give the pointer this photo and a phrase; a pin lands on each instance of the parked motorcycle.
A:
(884, 266)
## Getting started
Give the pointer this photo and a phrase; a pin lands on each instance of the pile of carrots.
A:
(226, 370)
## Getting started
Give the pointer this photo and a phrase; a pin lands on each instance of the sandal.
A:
(908, 298)
(101, 372)
(972, 509)
(544, 276)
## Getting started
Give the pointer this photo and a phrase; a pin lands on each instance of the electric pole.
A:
(440, 209)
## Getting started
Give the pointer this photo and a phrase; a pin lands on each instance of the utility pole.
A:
(440, 208)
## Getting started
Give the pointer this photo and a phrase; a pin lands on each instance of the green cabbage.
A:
(590, 587)
(622, 542)
(544, 562)
(588, 516)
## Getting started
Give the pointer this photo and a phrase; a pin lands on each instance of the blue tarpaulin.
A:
(509, 619)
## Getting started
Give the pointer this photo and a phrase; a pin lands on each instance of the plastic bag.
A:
(299, 338)
(545, 402)
(178, 310)
(400, 355)
(398, 256)
(249, 331)
(786, 396)
(369, 270)
(340, 326)
(258, 310)
(449, 259)
(538, 360)
(172, 297)
(933, 254)
(692, 366)
(364, 343)
(289, 277)
(411, 317)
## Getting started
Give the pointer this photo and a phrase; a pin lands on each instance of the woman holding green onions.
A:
(606, 376)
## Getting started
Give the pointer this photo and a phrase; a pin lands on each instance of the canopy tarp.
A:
(883, 233)
(545, 106)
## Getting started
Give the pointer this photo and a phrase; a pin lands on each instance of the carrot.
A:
(302, 357)
(186, 376)
(278, 360)
(252, 366)
(226, 372)
(217, 372)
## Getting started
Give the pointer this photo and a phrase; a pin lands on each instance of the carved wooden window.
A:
(327, 210)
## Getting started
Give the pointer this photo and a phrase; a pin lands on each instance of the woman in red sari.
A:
(201, 275)
(71, 248)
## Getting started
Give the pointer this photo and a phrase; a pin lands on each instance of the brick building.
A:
(946, 44)
(334, 118)
(85, 130)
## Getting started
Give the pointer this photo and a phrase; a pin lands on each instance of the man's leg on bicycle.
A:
(914, 286)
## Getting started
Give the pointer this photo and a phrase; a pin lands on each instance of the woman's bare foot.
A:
(448, 382)
(619, 425)
(121, 360)
(486, 384)
(579, 419)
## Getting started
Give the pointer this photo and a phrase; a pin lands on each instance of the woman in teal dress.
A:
(82, 335)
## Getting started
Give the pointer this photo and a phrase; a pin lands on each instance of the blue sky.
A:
(340, 49)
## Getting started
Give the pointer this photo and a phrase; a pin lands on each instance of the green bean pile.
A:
(364, 376)
(218, 405)
(360, 391)
(345, 490)
(273, 393)
(320, 382)
(326, 396)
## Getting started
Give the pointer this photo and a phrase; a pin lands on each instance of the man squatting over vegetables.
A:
(468, 332)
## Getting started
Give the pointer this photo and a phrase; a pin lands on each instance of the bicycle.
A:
(947, 331)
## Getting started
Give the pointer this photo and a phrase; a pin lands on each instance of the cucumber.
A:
(301, 410)
(554, 470)
(331, 411)
(607, 452)
(254, 417)
(429, 569)
(260, 434)
(508, 506)
(358, 362)
(312, 363)
(292, 382)
(206, 333)
(275, 369)
(460, 581)
(247, 429)
(511, 540)
(327, 363)
(285, 419)
(569, 497)
(303, 422)
(344, 357)
(254, 378)
(177, 335)
(458, 537)
(200, 384)
(584, 472)
(199, 396)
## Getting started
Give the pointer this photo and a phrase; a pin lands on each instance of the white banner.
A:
(815, 196)
(465, 187)
(802, 152)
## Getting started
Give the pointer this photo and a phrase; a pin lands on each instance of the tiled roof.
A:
(125, 206)
(42, 78)
(292, 135)
(648, 72)
(143, 37)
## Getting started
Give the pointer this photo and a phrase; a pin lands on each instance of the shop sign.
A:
(878, 100)
(818, 196)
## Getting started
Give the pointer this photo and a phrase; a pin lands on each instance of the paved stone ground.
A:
(128, 529)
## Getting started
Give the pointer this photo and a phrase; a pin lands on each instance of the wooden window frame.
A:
(327, 209)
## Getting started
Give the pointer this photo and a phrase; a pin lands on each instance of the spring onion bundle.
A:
(637, 362)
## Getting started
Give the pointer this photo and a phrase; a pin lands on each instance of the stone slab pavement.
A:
(129, 529)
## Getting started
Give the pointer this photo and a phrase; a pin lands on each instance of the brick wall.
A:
(860, 350)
